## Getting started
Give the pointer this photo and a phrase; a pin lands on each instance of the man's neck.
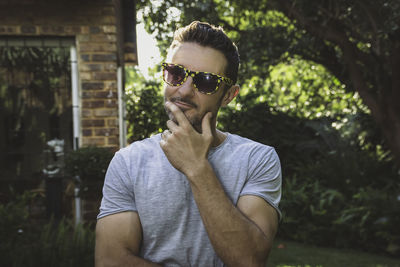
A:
(219, 138)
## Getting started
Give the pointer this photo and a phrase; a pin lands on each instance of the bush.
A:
(145, 106)
(336, 192)
(346, 197)
(90, 164)
(26, 243)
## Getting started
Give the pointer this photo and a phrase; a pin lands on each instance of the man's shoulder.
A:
(247, 143)
(142, 147)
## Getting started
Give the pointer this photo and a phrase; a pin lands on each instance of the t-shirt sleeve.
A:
(118, 195)
(265, 177)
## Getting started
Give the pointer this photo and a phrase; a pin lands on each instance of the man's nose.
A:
(187, 88)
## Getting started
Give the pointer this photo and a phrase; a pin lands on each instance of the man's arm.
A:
(242, 235)
(118, 239)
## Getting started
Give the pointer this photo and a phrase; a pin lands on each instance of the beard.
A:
(195, 120)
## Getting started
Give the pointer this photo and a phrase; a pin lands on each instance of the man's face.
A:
(193, 103)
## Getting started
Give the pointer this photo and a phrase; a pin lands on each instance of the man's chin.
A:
(193, 121)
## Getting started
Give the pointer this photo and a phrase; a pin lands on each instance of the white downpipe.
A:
(121, 109)
(78, 212)
(76, 124)
(75, 97)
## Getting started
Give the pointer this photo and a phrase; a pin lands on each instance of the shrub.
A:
(90, 164)
(26, 243)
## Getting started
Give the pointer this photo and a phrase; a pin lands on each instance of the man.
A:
(193, 195)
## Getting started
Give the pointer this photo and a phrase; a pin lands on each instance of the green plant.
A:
(29, 242)
(54, 244)
(144, 105)
(89, 163)
(14, 217)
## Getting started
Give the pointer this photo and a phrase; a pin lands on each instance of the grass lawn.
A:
(299, 255)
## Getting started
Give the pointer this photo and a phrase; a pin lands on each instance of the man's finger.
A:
(165, 134)
(178, 114)
(206, 124)
(172, 126)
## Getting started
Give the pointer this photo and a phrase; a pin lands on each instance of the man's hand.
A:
(184, 147)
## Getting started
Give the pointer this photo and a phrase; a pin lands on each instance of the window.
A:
(35, 106)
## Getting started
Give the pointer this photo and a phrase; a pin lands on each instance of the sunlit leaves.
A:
(305, 89)
(144, 104)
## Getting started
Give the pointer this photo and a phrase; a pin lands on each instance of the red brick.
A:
(104, 76)
(107, 11)
(91, 67)
(106, 131)
(112, 141)
(110, 29)
(92, 123)
(111, 103)
(82, 38)
(112, 122)
(107, 20)
(86, 112)
(110, 66)
(85, 57)
(28, 29)
(85, 76)
(94, 29)
(111, 85)
(106, 38)
(105, 112)
(130, 57)
(93, 104)
(104, 57)
(98, 47)
(87, 132)
(103, 94)
(92, 86)
(96, 141)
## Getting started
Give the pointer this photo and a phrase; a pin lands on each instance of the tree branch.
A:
(351, 55)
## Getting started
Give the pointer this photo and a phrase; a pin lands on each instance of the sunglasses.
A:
(205, 82)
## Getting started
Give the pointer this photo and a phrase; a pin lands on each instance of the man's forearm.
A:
(237, 240)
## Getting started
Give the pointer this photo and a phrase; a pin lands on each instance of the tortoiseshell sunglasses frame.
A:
(188, 72)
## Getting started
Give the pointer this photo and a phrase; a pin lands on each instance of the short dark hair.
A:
(209, 35)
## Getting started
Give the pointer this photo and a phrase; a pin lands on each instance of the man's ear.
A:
(230, 95)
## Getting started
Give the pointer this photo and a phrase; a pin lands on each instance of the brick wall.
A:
(93, 24)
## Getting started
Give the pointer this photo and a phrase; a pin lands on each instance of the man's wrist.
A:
(200, 170)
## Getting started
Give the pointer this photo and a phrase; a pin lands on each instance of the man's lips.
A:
(183, 105)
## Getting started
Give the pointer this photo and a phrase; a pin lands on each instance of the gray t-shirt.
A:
(140, 178)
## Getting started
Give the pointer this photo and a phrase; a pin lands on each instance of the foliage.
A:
(302, 93)
(144, 105)
(14, 215)
(304, 89)
(89, 163)
(286, 253)
(29, 243)
(355, 41)
(336, 192)
(326, 170)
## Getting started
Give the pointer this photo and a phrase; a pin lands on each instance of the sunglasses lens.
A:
(174, 74)
(206, 82)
